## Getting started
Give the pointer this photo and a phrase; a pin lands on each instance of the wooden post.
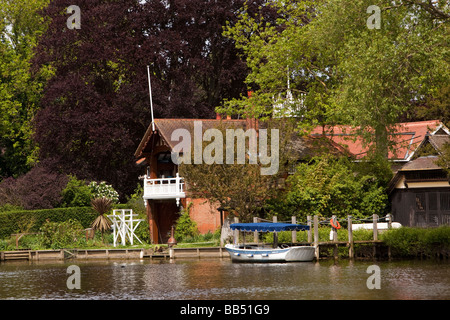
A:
(335, 250)
(375, 227)
(375, 234)
(275, 234)
(333, 217)
(255, 234)
(236, 232)
(316, 236)
(294, 233)
(351, 252)
(389, 219)
(308, 222)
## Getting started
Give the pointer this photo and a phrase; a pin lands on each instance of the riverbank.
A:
(391, 244)
(363, 250)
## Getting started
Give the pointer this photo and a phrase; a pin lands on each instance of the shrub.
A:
(136, 203)
(76, 193)
(185, 227)
(103, 190)
(58, 235)
(101, 206)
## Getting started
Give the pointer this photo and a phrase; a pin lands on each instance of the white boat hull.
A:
(241, 253)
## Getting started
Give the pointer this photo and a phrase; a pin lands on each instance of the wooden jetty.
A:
(91, 254)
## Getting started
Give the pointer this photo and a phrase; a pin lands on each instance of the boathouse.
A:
(420, 189)
(164, 189)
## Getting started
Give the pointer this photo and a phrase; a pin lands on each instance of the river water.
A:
(211, 279)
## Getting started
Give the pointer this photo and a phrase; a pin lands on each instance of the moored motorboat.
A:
(247, 253)
(261, 253)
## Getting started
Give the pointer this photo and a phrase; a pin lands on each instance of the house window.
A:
(432, 201)
(420, 202)
(445, 201)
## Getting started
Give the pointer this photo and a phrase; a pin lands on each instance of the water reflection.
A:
(221, 279)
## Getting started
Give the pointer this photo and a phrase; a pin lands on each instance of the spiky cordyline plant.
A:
(102, 206)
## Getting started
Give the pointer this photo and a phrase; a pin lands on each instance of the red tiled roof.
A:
(165, 127)
(406, 138)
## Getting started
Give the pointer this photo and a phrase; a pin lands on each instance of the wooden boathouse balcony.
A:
(164, 188)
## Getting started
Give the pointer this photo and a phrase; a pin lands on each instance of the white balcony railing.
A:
(164, 188)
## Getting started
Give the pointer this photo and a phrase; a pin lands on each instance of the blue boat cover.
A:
(268, 227)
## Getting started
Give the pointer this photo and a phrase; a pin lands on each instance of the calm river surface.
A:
(212, 279)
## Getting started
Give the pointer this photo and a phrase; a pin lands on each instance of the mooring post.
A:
(375, 227)
(275, 234)
(389, 220)
(375, 234)
(335, 251)
(255, 233)
(316, 236)
(294, 233)
(350, 238)
(236, 232)
(308, 222)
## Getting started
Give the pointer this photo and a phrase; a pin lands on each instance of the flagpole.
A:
(150, 92)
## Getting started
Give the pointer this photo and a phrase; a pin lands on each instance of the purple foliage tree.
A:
(96, 107)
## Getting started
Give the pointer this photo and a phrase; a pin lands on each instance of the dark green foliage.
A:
(415, 242)
(329, 186)
(76, 193)
(136, 203)
(11, 222)
(186, 227)
(57, 235)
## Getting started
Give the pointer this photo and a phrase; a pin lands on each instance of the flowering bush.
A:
(103, 190)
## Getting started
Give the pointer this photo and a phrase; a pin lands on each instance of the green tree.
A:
(20, 86)
(240, 188)
(340, 70)
(329, 186)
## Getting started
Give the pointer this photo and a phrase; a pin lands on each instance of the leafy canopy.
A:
(338, 70)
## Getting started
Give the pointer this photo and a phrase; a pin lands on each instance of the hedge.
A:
(31, 220)
(418, 242)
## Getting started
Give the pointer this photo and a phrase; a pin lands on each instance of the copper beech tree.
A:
(96, 108)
